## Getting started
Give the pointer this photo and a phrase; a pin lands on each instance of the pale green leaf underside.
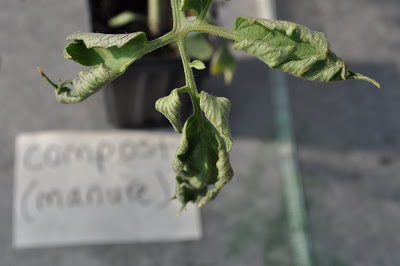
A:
(106, 40)
(216, 110)
(202, 160)
(292, 48)
(109, 54)
(86, 84)
(170, 106)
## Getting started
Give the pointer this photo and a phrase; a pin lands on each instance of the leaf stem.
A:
(55, 86)
(183, 89)
(156, 44)
(214, 30)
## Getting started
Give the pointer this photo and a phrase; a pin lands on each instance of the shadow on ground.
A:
(349, 153)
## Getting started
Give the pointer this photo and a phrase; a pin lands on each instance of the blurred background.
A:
(346, 133)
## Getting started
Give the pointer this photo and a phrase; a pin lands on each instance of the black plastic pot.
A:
(130, 99)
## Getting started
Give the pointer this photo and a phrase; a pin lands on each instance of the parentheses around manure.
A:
(26, 215)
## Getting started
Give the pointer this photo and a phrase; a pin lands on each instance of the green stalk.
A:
(190, 81)
(214, 30)
(181, 29)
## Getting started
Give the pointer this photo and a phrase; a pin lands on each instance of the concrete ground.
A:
(347, 136)
(348, 133)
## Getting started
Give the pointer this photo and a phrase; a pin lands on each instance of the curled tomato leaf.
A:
(202, 161)
(292, 48)
(216, 110)
(170, 106)
(109, 54)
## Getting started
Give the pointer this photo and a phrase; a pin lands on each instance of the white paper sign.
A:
(91, 187)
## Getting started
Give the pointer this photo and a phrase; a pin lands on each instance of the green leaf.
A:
(170, 106)
(197, 64)
(292, 48)
(199, 47)
(110, 54)
(88, 83)
(216, 110)
(200, 6)
(223, 62)
(115, 51)
(201, 161)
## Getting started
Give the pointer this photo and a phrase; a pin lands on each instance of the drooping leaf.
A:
(197, 64)
(200, 6)
(199, 47)
(110, 54)
(223, 62)
(292, 48)
(202, 160)
(216, 110)
(170, 106)
(86, 84)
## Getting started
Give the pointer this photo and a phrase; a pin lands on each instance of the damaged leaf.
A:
(110, 54)
(292, 48)
(170, 107)
(202, 163)
(216, 110)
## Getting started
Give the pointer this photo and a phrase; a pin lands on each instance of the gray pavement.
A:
(348, 133)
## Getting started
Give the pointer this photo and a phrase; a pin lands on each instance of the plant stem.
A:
(176, 14)
(190, 82)
(155, 44)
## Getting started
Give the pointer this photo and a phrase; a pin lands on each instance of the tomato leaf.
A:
(292, 48)
(170, 106)
(110, 54)
(202, 160)
(216, 110)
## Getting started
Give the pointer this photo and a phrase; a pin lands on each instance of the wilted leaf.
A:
(201, 161)
(292, 48)
(217, 110)
(110, 54)
(170, 106)
(88, 83)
